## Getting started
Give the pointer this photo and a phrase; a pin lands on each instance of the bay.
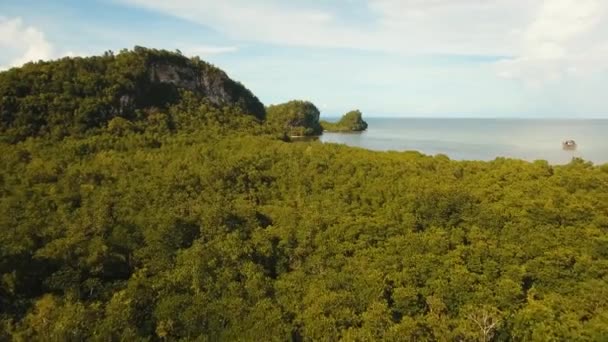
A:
(484, 139)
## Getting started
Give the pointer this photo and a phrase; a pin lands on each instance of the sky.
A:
(388, 58)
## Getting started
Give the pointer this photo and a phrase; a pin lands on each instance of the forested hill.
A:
(189, 222)
(349, 122)
(75, 95)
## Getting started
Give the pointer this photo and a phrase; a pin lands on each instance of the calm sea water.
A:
(484, 139)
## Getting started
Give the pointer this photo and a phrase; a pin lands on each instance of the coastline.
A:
(484, 139)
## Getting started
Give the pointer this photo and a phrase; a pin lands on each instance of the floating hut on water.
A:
(569, 145)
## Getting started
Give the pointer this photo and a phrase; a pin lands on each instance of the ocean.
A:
(484, 139)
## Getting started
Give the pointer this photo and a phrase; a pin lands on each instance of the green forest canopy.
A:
(193, 222)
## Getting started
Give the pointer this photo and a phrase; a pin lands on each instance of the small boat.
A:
(569, 145)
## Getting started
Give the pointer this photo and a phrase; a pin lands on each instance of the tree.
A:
(483, 321)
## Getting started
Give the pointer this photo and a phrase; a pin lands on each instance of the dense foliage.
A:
(194, 225)
(72, 96)
(349, 122)
(294, 118)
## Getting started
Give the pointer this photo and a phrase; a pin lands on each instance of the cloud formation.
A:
(269, 21)
(545, 40)
(409, 26)
(566, 39)
(22, 43)
(208, 50)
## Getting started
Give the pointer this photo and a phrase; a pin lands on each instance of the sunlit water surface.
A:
(484, 139)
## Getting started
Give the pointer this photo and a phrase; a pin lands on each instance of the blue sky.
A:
(422, 58)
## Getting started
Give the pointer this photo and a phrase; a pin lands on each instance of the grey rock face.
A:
(126, 103)
(211, 83)
(183, 77)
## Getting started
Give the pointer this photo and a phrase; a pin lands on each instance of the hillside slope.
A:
(74, 95)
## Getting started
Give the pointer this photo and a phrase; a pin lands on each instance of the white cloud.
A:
(452, 26)
(21, 43)
(547, 39)
(208, 50)
(567, 39)
(268, 21)
(410, 26)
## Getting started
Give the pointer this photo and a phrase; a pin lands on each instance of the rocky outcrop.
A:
(180, 76)
(294, 118)
(350, 122)
(209, 82)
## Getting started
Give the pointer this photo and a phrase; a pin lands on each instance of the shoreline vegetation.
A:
(349, 122)
(146, 196)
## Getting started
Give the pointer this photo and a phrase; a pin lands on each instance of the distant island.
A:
(297, 118)
(350, 122)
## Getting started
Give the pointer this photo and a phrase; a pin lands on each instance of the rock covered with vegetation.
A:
(294, 118)
(77, 95)
(349, 122)
(194, 224)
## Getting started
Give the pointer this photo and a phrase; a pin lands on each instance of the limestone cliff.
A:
(75, 95)
(207, 81)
